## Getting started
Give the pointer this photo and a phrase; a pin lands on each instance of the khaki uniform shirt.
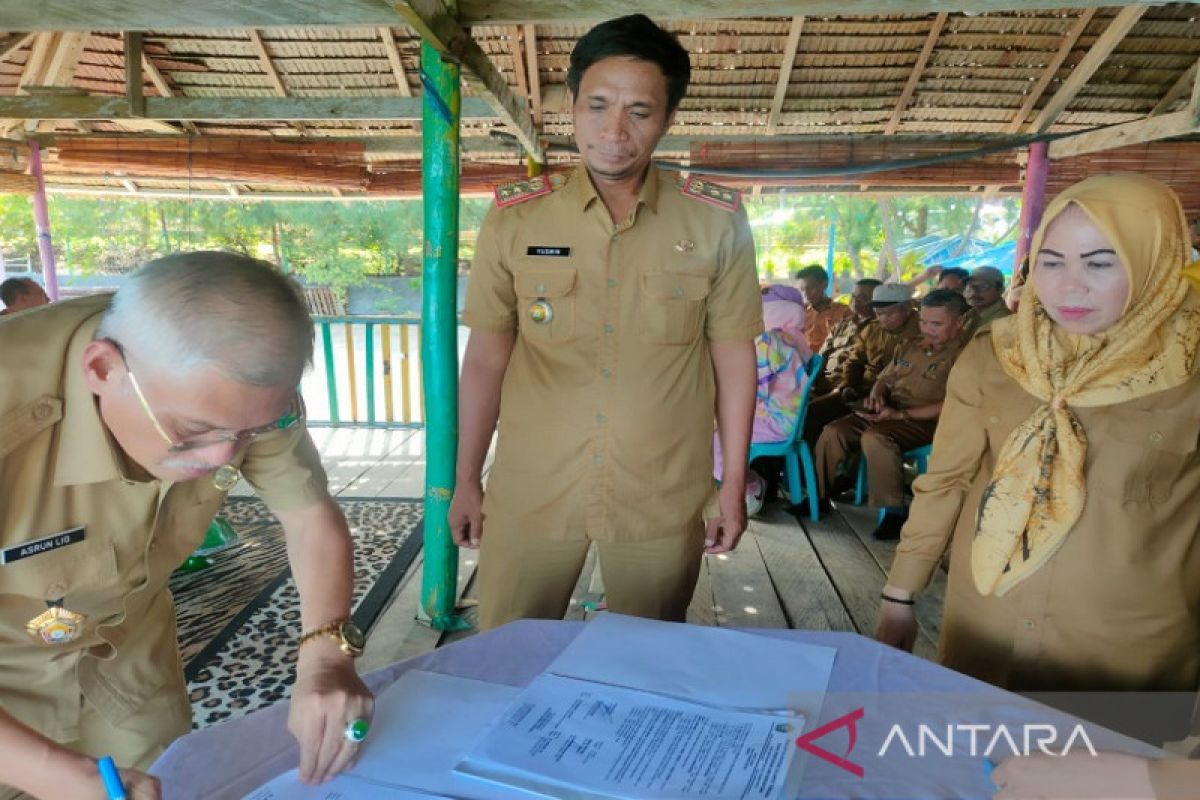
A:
(607, 408)
(818, 324)
(59, 469)
(839, 345)
(1118, 606)
(917, 375)
(873, 352)
(975, 319)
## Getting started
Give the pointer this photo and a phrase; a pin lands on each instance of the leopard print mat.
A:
(239, 620)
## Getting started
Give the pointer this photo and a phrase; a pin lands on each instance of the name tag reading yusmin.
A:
(43, 545)
(547, 250)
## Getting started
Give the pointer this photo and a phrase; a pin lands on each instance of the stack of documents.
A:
(632, 708)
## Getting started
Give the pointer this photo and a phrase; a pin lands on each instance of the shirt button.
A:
(606, 372)
(612, 283)
(541, 288)
(678, 291)
(41, 410)
(1028, 624)
(601, 419)
(1156, 436)
(55, 591)
(598, 458)
(994, 420)
(609, 329)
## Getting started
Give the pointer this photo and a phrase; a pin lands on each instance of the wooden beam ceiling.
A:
(1180, 89)
(1083, 72)
(1068, 44)
(435, 24)
(228, 108)
(264, 60)
(785, 74)
(533, 71)
(158, 15)
(393, 54)
(164, 88)
(13, 42)
(914, 77)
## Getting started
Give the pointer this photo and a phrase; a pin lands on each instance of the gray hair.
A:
(187, 311)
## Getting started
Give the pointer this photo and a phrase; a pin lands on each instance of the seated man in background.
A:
(896, 322)
(18, 294)
(821, 313)
(952, 278)
(899, 414)
(841, 341)
(985, 295)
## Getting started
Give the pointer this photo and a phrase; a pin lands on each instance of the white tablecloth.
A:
(892, 688)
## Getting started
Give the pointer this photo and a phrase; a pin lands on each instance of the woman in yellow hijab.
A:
(1065, 470)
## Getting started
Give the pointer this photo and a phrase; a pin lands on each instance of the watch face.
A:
(353, 636)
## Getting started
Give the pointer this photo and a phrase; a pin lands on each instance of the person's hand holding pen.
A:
(88, 783)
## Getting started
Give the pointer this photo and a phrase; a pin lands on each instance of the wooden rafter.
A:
(435, 24)
(133, 73)
(1068, 44)
(517, 52)
(1083, 72)
(164, 88)
(13, 42)
(914, 77)
(228, 108)
(785, 74)
(532, 70)
(195, 14)
(1180, 89)
(264, 60)
(393, 54)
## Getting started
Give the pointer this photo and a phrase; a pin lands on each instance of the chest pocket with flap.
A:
(673, 305)
(546, 304)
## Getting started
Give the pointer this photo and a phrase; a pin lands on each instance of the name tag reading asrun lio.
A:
(44, 545)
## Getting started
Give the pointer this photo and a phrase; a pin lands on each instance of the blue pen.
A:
(988, 768)
(112, 780)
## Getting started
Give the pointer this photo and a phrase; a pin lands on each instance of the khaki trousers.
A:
(882, 445)
(526, 575)
(135, 743)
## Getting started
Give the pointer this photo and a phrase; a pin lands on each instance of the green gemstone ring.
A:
(357, 730)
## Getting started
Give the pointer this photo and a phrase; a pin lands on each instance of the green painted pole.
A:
(370, 366)
(330, 374)
(439, 352)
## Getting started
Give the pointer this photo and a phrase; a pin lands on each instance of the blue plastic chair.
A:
(795, 451)
(918, 454)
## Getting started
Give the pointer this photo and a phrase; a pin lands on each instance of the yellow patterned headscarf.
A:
(1037, 491)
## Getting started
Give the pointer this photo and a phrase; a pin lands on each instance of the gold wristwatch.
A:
(348, 636)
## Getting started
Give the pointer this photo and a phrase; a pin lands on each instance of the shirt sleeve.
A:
(958, 448)
(735, 302)
(286, 471)
(491, 299)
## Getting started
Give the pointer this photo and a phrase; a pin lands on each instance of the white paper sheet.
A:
(424, 723)
(579, 740)
(713, 666)
(344, 787)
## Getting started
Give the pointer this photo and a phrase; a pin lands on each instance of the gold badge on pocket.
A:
(226, 477)
(56, 625)
(541, 312)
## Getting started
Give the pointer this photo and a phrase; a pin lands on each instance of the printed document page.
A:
(578, 740)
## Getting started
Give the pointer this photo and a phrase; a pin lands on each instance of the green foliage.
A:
(333, 243)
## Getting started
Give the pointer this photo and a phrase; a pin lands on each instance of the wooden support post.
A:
(133, 74)
(41, 219)
(1033, 200)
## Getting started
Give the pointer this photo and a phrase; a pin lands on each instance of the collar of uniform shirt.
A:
(585, 191)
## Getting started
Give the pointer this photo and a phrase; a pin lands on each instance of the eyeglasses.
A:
(294, 415)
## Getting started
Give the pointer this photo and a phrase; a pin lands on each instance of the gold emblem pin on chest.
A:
(56, 625)
(685, 246)
(226, 477)
(541, 312)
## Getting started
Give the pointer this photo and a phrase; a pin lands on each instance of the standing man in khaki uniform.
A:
(895, 322)
(900, 413)
(985, 294)
(124, 420)
(613, 318)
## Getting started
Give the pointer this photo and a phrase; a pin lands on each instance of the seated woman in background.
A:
(1065, 465)
(782, 353)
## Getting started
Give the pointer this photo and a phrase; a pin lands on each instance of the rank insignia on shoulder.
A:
(712, 193)
(509, 194)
